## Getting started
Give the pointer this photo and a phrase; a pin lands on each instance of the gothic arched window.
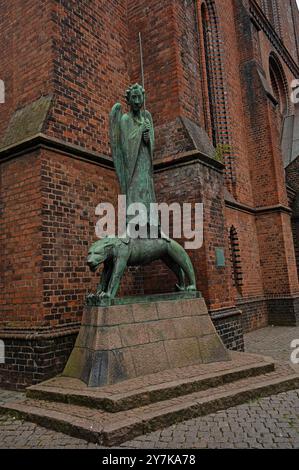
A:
(279, 89)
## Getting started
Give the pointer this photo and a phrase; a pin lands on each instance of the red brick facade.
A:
(216, 72)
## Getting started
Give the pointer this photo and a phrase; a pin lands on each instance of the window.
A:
(280, 91)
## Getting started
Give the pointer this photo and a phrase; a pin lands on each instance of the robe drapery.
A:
(133, 158)
(138, 158)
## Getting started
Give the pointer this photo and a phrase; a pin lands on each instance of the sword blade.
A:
(141, 66)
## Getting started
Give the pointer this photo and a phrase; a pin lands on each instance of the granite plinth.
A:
(129, 340)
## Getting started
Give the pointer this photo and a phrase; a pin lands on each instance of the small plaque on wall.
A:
(220, 258)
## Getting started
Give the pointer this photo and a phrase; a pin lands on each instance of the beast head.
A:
(99, 252)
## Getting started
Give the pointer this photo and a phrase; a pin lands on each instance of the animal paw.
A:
(180, 288)
(105, 295)
(90, 299)
(191, 288)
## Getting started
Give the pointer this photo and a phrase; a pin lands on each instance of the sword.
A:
(142, 71)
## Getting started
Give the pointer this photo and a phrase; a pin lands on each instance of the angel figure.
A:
(132, 142)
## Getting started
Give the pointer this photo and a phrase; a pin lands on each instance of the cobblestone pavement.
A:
(271, 422)
(272, 341)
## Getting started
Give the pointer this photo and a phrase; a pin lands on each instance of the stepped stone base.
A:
(123, 341)
(148, 389)
(138, 367)
(117, 413)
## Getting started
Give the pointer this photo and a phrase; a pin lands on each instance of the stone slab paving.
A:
(271, 422)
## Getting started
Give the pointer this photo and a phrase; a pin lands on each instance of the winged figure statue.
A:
(132, 143)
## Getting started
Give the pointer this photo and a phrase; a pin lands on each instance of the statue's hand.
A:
(146, 126)
(146, 131)
(146, 136)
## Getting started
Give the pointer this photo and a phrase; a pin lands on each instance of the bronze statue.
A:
(117, 255)
(132, 142)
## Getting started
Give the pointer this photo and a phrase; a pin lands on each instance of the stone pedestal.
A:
(126, 341)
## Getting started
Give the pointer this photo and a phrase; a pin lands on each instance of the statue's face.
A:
(96, 255)
(136, 100)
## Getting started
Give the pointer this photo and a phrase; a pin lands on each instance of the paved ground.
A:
(266, 423)
(272, 341)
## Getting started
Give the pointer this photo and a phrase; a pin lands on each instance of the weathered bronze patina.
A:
(132, 142)
(117, 255)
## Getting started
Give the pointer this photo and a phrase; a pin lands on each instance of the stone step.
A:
(111, 429)
(152, 388)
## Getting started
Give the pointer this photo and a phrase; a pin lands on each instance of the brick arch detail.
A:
(281, 83)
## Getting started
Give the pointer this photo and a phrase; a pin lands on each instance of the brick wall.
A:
(71, 190)
(26, 54)
(292, 177)
(31, 360)
(230, 328)
(90, 69)
(21, 239)
(157, 25)
(252, 275)
(274, 236)
(255, 313)
(288, 12)
(200, 180)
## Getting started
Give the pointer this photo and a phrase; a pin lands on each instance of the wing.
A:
(115, 141)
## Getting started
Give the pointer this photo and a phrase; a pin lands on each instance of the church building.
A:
(222, 85)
